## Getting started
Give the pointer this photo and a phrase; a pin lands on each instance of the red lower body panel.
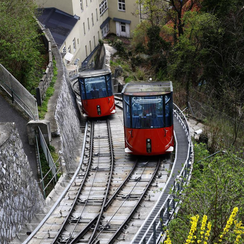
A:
(149, 141)
(98, 107)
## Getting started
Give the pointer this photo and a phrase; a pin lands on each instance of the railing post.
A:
(167, 210)
(173, 202)
(154, 232)
(12, 94)
(162, 218)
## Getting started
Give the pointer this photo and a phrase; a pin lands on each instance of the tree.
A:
(155, 42)
(152, 11)
(20, 46)
(223, 70)
(176, 11)
(186, 59)
(221, 8)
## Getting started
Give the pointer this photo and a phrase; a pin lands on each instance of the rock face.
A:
(20, 196)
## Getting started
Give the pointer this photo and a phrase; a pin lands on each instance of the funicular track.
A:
(111, 211)
(88, 189)
(90, 212)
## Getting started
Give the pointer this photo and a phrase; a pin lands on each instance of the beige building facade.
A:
(123, 18)
(96, 19)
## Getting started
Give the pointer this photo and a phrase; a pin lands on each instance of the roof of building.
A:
(58, 22)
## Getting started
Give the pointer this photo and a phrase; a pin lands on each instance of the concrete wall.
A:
(20, 196)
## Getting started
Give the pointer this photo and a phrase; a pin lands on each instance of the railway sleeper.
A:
(102, 154)
(95, 202)
(110, 228)
(92, 202)
(79, 220)
(130, 196)
(97, 169)
(100, 137)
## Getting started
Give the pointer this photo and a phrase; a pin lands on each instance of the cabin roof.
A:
(148, 88)
(94, 73)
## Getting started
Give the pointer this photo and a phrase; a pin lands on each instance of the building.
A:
(78, 25)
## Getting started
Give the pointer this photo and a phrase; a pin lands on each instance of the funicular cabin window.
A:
(96, 87)
(144, 112)
(127, 111)
(147, 112)
(168, 104)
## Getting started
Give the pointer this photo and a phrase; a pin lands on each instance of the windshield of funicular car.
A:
(98, 87)
(148, 111)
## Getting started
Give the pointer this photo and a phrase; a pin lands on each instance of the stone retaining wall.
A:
(20, 196)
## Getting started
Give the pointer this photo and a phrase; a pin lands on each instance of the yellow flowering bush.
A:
(202, 236)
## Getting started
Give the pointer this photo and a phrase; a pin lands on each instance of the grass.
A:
(42, 110)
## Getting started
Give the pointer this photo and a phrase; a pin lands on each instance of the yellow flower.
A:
(167, 241)
(229, 223)
(194, 221)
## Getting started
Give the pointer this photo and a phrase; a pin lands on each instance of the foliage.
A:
(152, 10)
(139, 37)
(176, 12)
(42, 110)
(155, 42)
(187, 57)
(221, 8)
(215, 189)
(20, 45)
(200, 233)
(189, 52)
(118, 45)
(223, 70)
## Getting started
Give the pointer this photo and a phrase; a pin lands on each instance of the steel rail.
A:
(34, 232)
(96, 220)
(91, 223)
(78, 193)
(119, 230)
(91, 240)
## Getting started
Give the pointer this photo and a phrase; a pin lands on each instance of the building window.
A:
(103, 6)
(105, 30)
(123, 27)
(94, 41)
(88, 24)
(81, 5)
(92, 19)
(90, 46)
(69, 49)
(64, 49)
(121, 5)
(96, 14)
(74, 44)
(98, 35)
(86, 3)
(86, 50)
(84, 28)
